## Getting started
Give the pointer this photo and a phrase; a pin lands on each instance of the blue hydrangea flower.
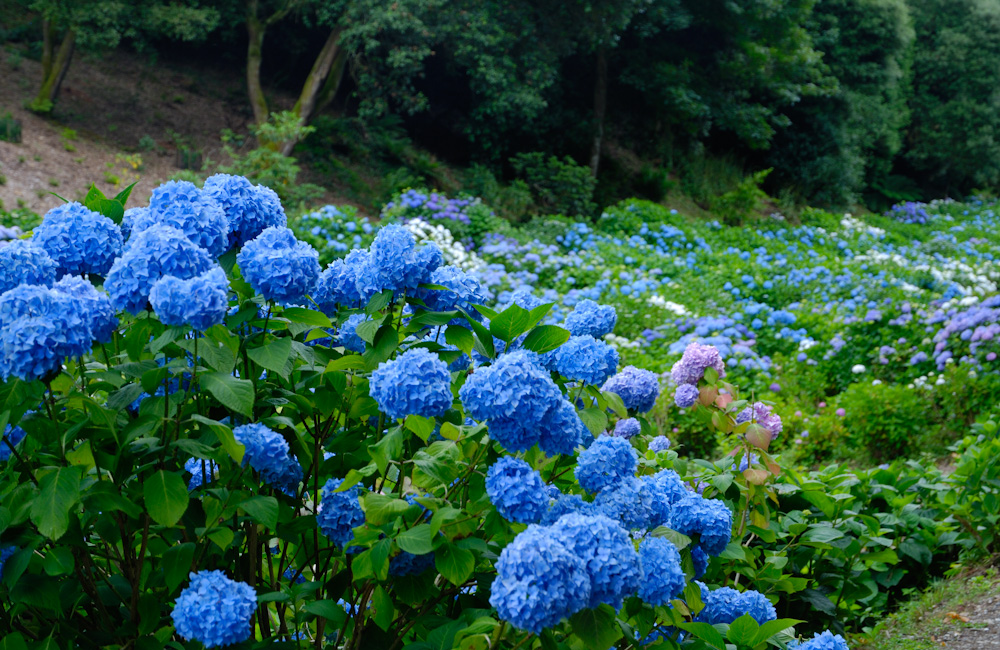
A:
(662, 576)
(697, 358)
(408, 564)
(539, 581)
(129, 218)
(686, 395)
(564, 504)
(12, 437)
(152, 254)
(700, 560)
(605, 463)
(659, 443)
(761, 414)
(249, 208)
(280, 267)
(79, 240)
(25, 262)
(394, 262)
(339, 513)
(5, 553)
(722, 605)
(416, 382)
(591, 319)
(214, 610)
(201, 301)
(194, 212)
(826, 640)
(562, 430)
(638, 388)
(39, 327)
(513, 395)
(640, 503)
(516, 490)
(93, 306)
(269, 454)
(347, 335)
(758, 606)
(463, 291)
(202, 471)
(338, 284)
(583, 358)
(710, 519)
(627, 428)
(608, 552)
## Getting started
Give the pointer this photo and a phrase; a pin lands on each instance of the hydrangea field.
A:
(224, 425)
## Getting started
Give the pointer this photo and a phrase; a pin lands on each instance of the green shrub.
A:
(742, 203)
(558, 186)
(885, 420)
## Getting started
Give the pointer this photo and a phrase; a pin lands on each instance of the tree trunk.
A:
(55, 65)
(321, 85)
(600, 107)
(255, 48)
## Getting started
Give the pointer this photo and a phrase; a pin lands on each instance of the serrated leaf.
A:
(596, 627)
(235, 394)
(305, 316)
(595, 420)
(381, 509)
(176, 564)
(166, 497)
(417, 540)
(770, 628)
(511, 323)
(274, 356)
(263, 510)
(454, 563)
(545, 338)
(743, 631)
(706, 633)
(461, 338)
(225, 437)
(59, 490)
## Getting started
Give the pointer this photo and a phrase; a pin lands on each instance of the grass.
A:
(920, 622)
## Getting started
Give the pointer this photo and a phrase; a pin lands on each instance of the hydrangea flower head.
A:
(710, 519)
(608, 552)
(394, 262)
(605, 463)
(12, 437)
(280, 267)
(194, 212)
(659, 443)
(268, 453)
(464, 290)
(758, 606)
(214, 610)
(697, 358)
(722, 605)
(408, 564)
(583, 358)
(92, 305)
(762, 414)
(825, 640)
(539, 581)
(249, 208)
(662, 576)
(79, 240)
(202, 471)
(201, 301)
(638, 388)
(564, 504)
(338, 283)
(686, 395)
(517, 490)
(129, 218)
(416, 382)
(339, 513)
(700, 560)
(627, 428)
(5, 553)
(513, 395)
(347, 335)
(562, 430)
(591, 319)
(155, 252)
(25, 262)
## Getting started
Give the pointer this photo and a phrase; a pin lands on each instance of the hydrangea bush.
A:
(209, 439)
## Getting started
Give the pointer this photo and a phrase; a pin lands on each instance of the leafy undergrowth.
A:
(937, 617)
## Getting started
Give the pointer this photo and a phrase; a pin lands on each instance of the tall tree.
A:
(102, 24)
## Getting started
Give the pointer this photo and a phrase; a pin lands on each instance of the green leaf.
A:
(454, 563)
(822, 534)
(431, 319)
(382, 610)
(379, 302)
(59, 490)
(381, 509)
(511, 323)
(306, 317)
(13, 641)
(328, 609)
(484, 340)
(225, 436)
(743, 631)
(59, 561)
(235, 394)
(122, 197)
(705, 632)
(263, 510)
(386, 340)
(176, 564)
(769, 629)
(387, 449)
(680, 540)
(545, 338)
(417, 540)
(166, 497)
(124, 396)
(595, 419)
(274, 356)
(421, 426)
(461, 338)
(615, 403)
(597, 627)
(366, 330)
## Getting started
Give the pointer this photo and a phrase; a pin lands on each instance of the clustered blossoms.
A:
(215, 610)
(415, 383)
(268, 453)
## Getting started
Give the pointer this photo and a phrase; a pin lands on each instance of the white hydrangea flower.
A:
(453, 251)
(858, 369)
